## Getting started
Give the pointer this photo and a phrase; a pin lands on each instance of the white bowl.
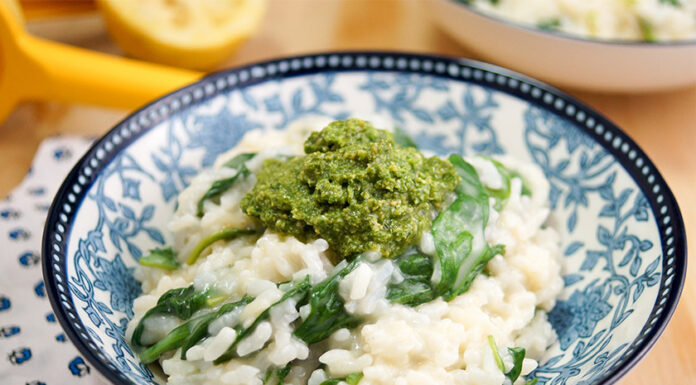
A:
(569, 61)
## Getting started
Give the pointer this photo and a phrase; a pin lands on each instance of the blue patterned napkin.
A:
(33, 348)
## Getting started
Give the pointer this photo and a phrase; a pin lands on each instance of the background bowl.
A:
(623, 236)
(569, 61)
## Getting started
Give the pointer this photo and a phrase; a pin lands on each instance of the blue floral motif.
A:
(544, 132)
(219, 133)
(476, 115)
(400, 95)
(578, 316)
(168, 161)
(131, 189)
(585, 172)
(115, 278)
(321, 94)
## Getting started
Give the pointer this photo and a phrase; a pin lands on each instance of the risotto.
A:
(647, 20)
(278, 275)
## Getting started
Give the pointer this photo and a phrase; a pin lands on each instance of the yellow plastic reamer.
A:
(32, 68)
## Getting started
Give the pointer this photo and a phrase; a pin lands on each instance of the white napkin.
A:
(33, 348)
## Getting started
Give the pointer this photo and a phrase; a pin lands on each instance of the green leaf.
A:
(549, 24)
(226, 235)
(332, 381)
(199, 327)
(181, 302)
(402, 138)
(411, 292)
(282, 373)
(351, 379)
(160, 258)
(496, 354)
(173, 340)
(647, 30)
(533, 381)
(470, 183)
(354, 378)
(458, 233)
(501, 195)
(300, 289)
(517, 360)
(517, 355)
(189, 333)
(416, 288)
(278, 373)
(239, 160)
(674, 3)
(327, 313)
(219, 187)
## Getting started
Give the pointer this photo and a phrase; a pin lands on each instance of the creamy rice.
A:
(659, 20)
(435, 343)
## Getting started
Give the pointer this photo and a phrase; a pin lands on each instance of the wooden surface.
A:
(664, 124)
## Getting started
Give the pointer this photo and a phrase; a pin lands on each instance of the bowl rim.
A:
(626, 43)
(452, 68)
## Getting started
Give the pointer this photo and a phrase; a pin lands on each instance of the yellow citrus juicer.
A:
(32, 68)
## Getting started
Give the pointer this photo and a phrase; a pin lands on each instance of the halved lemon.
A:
(198, 34)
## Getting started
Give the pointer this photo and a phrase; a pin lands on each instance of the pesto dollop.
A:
(355, 188)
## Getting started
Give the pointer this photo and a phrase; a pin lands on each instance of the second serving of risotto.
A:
(639, 20)
(347, 256)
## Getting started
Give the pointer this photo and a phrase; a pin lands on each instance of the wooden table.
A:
(663, 124)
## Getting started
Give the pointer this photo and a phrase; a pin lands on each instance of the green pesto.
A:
(355, 188)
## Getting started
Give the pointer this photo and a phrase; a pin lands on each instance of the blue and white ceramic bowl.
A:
(569, 60)
(623, 236)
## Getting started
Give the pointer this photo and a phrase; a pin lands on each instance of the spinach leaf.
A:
(160, 258)
(354, 378)
(416, 288)
(458, 233)
(462, 251)
(517, 359)
(227, 235)
(239, 160)
(300, 289)
(517, 355)
(220, 186)
(470, 184)
(501, 195)
(549, 24)
(189, 333)
(173, 340)
(181, 302)
(402, 138)
(279, 373)
(496, 354)
(647, 30)
(327, 312)
(351, 379)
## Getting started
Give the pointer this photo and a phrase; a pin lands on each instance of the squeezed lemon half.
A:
(198, 34)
